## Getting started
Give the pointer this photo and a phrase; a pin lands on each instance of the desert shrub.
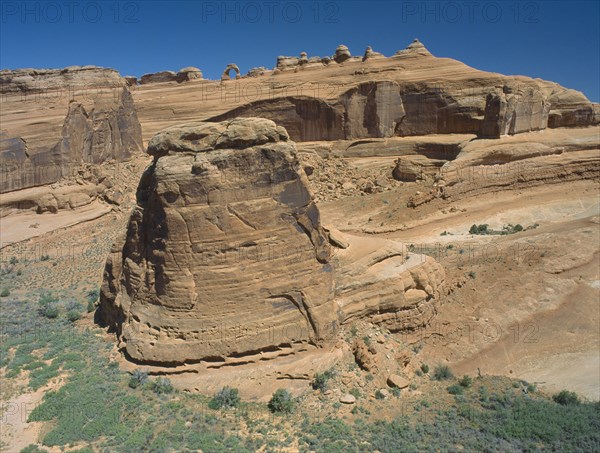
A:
(367, 340)
(320, 380)
(162, 385)
(456, 389)
(566, 398)
(32, 448)
(424, 368)
(355, 392)
(73, 315)
(396, 392)
(49, 311)
(282, 402)
(5, 292)
(13, 260)
(353, 330)
(138, 378)
(227, 397)
(479, 229)
(91, 306)
(44, 257)
(379, 395)
(466, 381)
(442, 372)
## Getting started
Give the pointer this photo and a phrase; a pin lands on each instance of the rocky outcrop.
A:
(342, 53)
(370, 53)
(369, 110)
(221, 208)
(372, 109)
(256, 72)
(58, 84)
(189, 73)
(225, 224)
(509, 112)
(305, 118)
(415, 48)
(379, 280)
(158, 77)
(230, 67)
(93, 121)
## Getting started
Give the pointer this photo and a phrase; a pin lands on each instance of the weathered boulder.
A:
(189, 73)
(342, 53)
(397, 381)
(225, 225)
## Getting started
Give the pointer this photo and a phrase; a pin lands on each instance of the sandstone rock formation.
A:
(438, 96)
(222, 206)
(158, 77)
(255, 72)
(342, 53)
(370, 53)
(225, 224)
(230, 67)
(189, 73)
(414, 48)
(93, 121)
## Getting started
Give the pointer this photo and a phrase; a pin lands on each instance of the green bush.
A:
(44, 257)
(367, 340)
(442, 372)
(32, 448)
(466, 381)
(479, 229)
(226, 398)
(50, 312)
(5, 292)
(138, 378)
(73, 315)
(355, 393)
(566, 398)
(162, 385)
(91, 306)
(424, 368)
(456, 389)
(320, 380)
(379, 395)
(13, 260)
(282, 402)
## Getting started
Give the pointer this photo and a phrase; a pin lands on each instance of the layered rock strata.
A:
(225, 258)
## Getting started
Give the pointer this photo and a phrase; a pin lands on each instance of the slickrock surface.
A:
(226, 236)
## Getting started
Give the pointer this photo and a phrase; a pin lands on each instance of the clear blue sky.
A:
(558, 41)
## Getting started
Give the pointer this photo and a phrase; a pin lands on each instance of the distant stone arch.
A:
(230, 67)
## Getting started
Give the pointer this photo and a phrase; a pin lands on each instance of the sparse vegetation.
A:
(424, 368)
(161, 385)
(282, 402)
(566, 398)
(226, 398)
(138, 378)
(466, 381)
(5, 292)
(483, 229)
(320, 380)
(442, 372)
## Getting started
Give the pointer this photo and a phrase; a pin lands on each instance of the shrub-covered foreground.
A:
(98, 406)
